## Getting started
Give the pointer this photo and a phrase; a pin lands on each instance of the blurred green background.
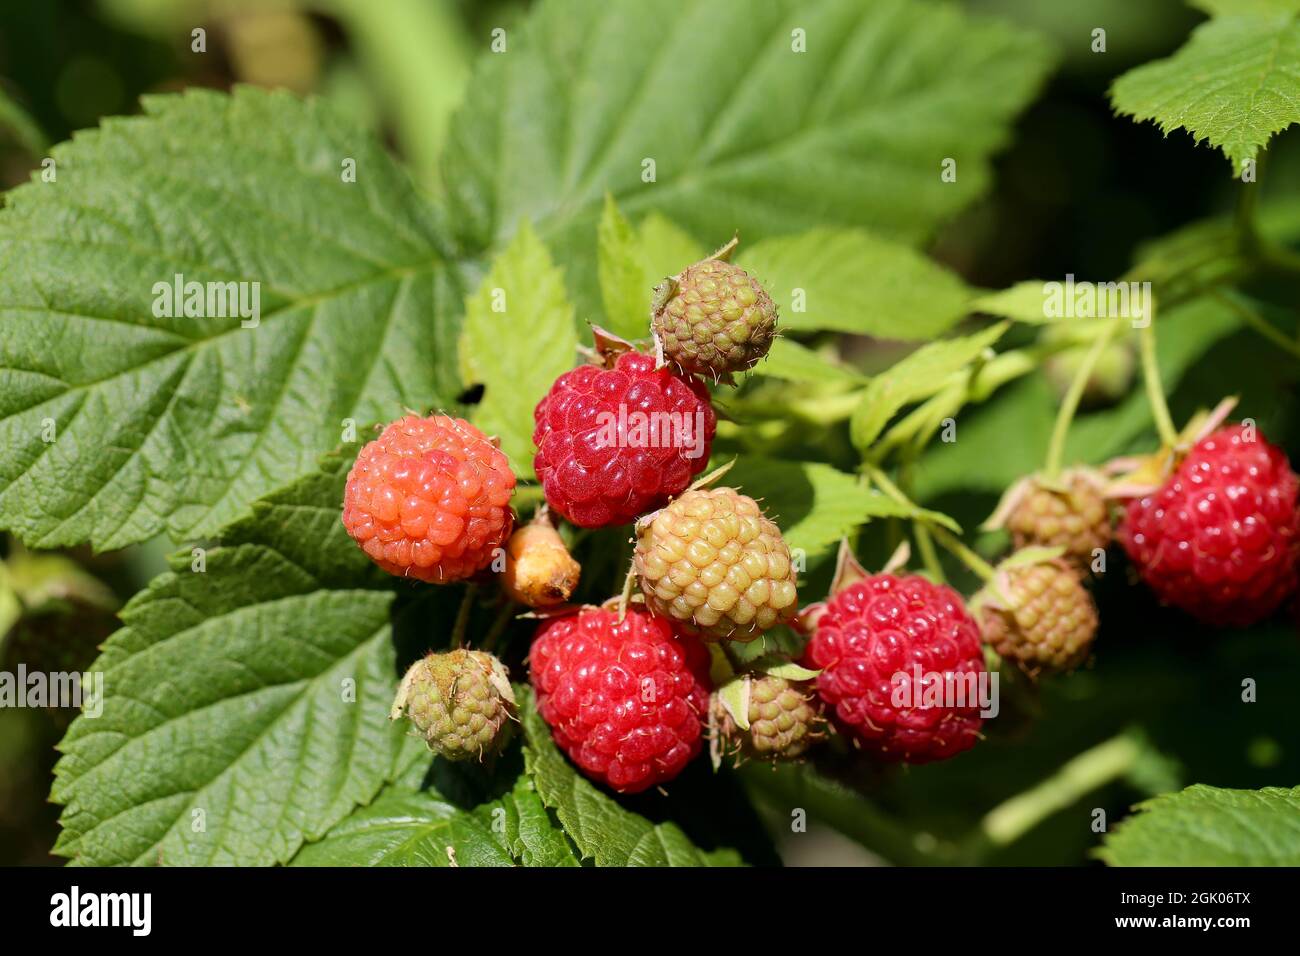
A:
(1077, 191)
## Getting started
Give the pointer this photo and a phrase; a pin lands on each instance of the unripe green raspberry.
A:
(1069, 513)
(713, 319)
(783, 721)
(1039, 615)
(461, 702)
(713, 562)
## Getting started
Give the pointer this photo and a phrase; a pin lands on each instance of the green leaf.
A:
(518, 337)
(623, 281)
(633, 261)
(411, 823)
(521, 821)
(599, 827)
(851, 281)
(1235, 83)
(918, 376)
(245, 706)
(1232, 8)
(1209, 826)
(743, 131)
(407, 829)
(815, 504)
(792, 362)
(1023, 302)
(177, 424)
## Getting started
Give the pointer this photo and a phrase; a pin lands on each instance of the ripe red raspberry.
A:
(868, 642)
(430, 499)
(625, 700)
(1219, 539)
(616, 443)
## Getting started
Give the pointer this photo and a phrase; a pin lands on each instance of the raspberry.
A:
(869, 641)
(460, 701)
(1050, 619)
(713, 319)
(430, 499)
(715, 564)
(1219, 539)
(783, 721)
(616, 443)
(1070, 513)
(625, 700)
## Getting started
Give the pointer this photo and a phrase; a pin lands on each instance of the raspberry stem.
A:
(1093, 768)
(925, 544)
(462, 616)
(963, 553)
(499, 625)
(1070, 404)
(626, 594)
(945, 537)
(1155, 392)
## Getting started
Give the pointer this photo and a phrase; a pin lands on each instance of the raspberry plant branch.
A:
(1257, 322)
(1089, 771)
(929, 557)
(920, 531)
(784, 788)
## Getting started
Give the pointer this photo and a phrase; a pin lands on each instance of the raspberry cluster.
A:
(893, 662)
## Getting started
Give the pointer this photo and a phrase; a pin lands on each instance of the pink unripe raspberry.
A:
(430, 499)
